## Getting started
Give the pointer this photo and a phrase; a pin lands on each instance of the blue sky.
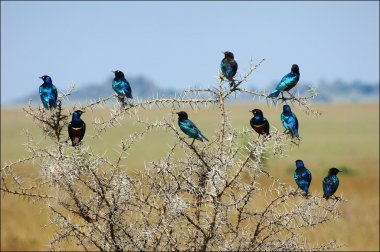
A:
(179, 44)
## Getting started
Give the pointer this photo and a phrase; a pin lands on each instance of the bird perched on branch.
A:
(189, 128)
(259, 123)
(290, 121)
(121, 85)
(287, 82)
(302, 176)
(77, 128)
(48, 93)
(330, 183)
(229, 67)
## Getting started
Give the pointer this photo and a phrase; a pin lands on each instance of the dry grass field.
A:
(346, 136)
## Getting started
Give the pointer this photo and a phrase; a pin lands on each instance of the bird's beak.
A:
(40, 77)
(113, 71)
(177, 113)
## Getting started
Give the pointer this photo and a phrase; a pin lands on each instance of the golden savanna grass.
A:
(345, 136)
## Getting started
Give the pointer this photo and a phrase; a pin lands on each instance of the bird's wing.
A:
(296, 175)
(296, 121)
(83, 130)
(223, 65)
(325, 183)
(308, 175)
(234, 67)
(292, 121)
(189, 128)
(286, 81)
(328, 186)
(194, 127)
(283, 120)
(127, 88)
(55, 92)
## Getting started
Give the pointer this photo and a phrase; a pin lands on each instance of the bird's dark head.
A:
(118, 74)
(77, 113)
(295, 69)
(46, 79)
(299, 163)
(257, 112)
(334, 171)
(182, 115)
(286, 109)
(228, 55)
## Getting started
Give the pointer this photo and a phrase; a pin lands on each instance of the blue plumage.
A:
(76, 128)
(330, 183)
(189, 128)
(121, 85)
(229, 67)
(290, 121)
(287, 82)
(48, 93)
(259, 123)
(302, 176)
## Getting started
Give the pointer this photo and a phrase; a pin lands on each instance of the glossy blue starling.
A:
(121, 85)
(77, 128)
(229, 67)
(48, 93)
(302, 176)
(259, 123)
(189, 128)
(330, 183)
(287, 82)
(290, 121)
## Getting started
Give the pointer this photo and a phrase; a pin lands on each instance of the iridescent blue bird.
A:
(259, 123)
(229, 67)
(48, 93)
(290, 121)
(77, 128)
(121, 85)
(302, 176)
(330, 183)
(189, 128)
(287, 82)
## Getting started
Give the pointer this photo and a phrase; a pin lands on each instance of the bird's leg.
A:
(192, 141)
(290, 94)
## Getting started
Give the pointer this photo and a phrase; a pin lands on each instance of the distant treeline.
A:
(143, 87)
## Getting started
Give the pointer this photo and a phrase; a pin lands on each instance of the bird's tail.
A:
(203, 137)
(295, 133)
(128, 93)
(274, 94)
(52, 103)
